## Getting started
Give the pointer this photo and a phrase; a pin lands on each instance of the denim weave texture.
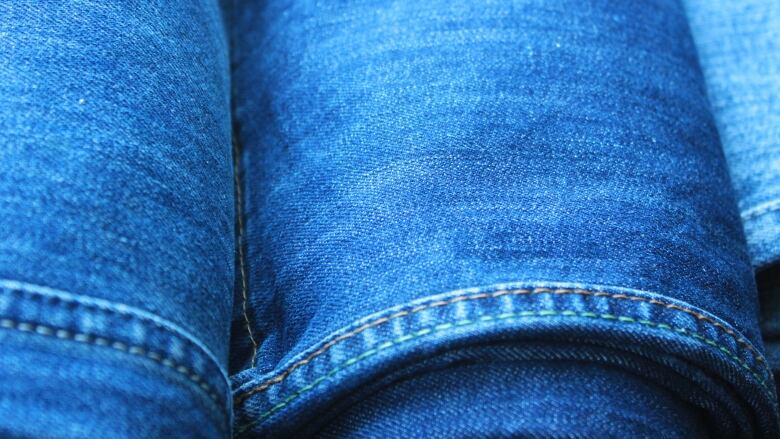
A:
(565, 150)
(389, 218)
(739, 47)
(116, 215)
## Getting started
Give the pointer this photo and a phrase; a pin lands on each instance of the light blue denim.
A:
(739, 48)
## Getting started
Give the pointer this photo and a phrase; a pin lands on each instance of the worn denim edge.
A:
(760, 209)
(763, 246)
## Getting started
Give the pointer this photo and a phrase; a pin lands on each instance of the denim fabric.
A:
(498, 398)
(387, 218)
(739, 47)
(769, 288)
(116, 219)
(421, 178)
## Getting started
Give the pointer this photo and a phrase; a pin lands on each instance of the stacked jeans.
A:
(388, 218)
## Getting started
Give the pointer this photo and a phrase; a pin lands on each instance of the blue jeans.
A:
(374, 218)
(739, 47)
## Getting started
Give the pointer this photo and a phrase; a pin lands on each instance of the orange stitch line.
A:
(240, 244)
(239, 399)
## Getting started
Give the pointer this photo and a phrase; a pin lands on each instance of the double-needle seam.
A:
(444, 327)
(240, 398)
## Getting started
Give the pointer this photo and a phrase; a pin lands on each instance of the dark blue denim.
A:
(739, 47)
(116, 219)
(423, 178)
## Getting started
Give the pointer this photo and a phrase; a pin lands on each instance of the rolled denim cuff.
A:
(469, 173)
(501, 388)
(682, 354)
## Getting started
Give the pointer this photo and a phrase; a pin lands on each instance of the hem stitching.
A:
(240, 398)
(441, 328)
(81, 337)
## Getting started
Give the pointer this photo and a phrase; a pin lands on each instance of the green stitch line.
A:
(505, 316)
